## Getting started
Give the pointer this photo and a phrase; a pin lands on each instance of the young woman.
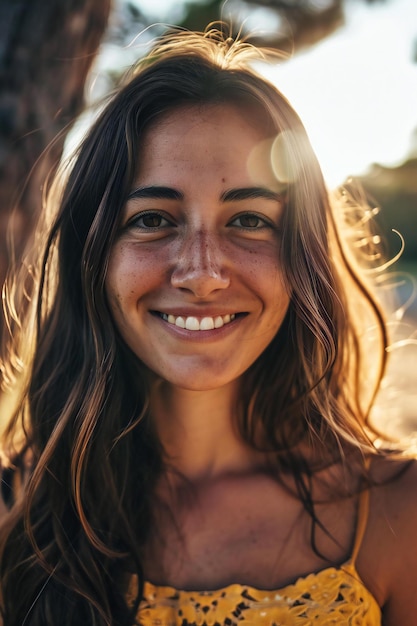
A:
(190, 440)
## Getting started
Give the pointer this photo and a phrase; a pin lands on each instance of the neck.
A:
(198, 431)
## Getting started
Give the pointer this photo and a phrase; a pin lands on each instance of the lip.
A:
(198, 313)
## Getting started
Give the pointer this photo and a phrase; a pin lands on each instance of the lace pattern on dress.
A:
(335, 596)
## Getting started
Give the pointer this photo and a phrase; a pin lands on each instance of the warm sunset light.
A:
(356, 91)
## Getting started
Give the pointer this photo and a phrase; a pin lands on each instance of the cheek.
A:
(275, 294)
(278, 307)
(129, 275)
(267, 277)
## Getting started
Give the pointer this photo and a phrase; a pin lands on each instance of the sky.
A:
(355, 91)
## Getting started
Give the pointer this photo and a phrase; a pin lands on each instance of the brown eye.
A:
(250, 221)
(152, 221)
(149, 220)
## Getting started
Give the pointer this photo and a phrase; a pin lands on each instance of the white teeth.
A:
(193, 323)
(207, 323)
(218, 322)
(180, 321)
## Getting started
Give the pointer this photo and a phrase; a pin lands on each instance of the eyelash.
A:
(262, 222)
(135, 221)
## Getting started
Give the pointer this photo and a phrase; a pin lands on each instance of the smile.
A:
(193, 323)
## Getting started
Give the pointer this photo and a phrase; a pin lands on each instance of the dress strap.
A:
(361, 523)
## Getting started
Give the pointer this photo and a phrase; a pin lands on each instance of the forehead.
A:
(216, 136)
(185, 119)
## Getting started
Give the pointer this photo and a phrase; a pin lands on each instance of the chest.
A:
(257, 535)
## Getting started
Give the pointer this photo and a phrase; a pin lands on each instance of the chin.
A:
(199, 382)
(200, 385)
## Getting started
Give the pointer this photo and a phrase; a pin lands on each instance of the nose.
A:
(199, 267)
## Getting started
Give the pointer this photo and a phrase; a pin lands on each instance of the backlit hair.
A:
(80, 405)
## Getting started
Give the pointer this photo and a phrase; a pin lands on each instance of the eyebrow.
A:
(157, 192)
(249, 193)
(169, 193)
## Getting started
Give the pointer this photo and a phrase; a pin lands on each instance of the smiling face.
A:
(194, 282)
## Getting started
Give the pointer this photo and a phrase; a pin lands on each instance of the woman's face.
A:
(194, 282)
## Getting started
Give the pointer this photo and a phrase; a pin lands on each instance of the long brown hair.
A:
(81, 406)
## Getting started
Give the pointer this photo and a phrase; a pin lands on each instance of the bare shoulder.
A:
(390, 547)
(389, 471)
(395, 492)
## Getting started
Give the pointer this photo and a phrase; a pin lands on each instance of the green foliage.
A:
(395, 191)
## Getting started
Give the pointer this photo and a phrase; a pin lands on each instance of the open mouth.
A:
(195, 323)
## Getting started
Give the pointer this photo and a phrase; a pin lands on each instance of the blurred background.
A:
(349, 69)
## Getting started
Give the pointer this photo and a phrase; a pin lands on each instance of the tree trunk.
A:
(46, 50)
